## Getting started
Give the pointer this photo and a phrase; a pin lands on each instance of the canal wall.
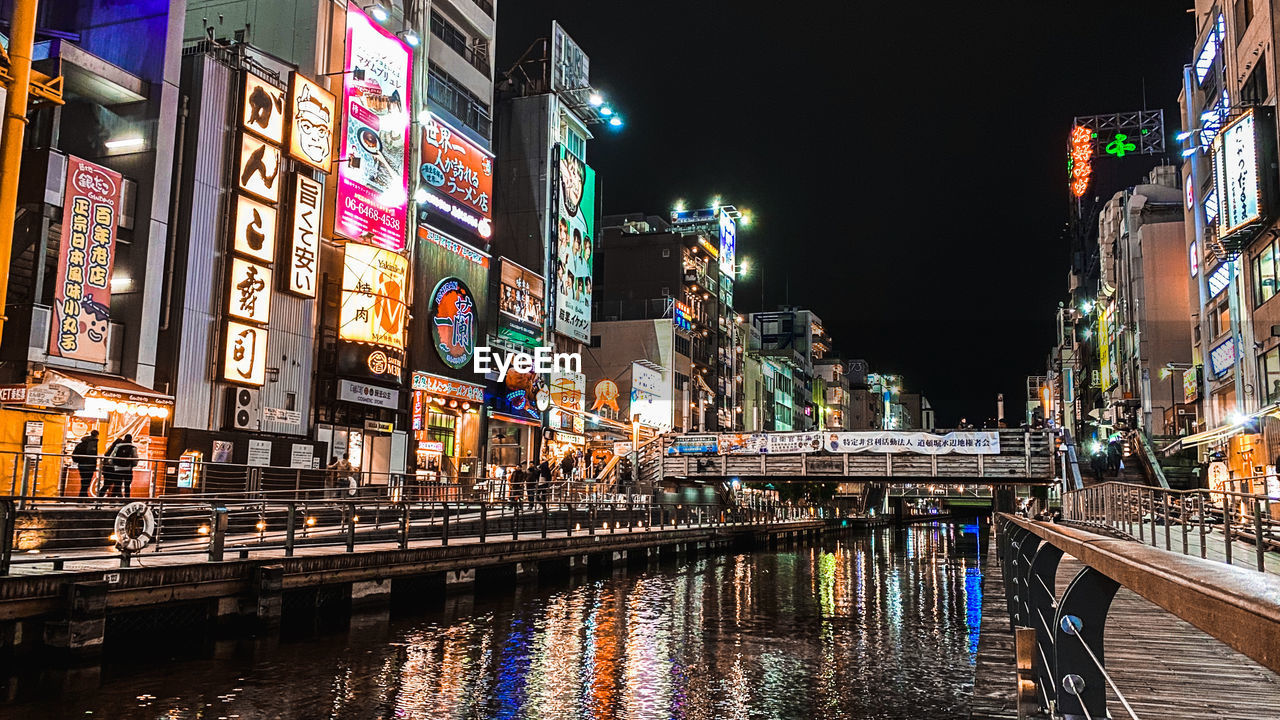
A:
(75, 615)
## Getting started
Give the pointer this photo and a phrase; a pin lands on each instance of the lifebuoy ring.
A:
(135, 526)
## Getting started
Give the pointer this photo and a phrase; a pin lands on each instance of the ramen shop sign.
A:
(457, 176)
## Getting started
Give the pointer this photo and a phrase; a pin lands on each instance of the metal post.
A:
(290, 526)
(350, 512)
(444, 533)
(8, 522)
(1168, 544)
(217, 534)
(568, 525)
(22, 29)
(613, 515)
(1204, 551)
(404, 526)
(1257, 535)
(545, 513)
(484, 519)
(515, 522)
(1078, 658)
(1182, 520)
(1226, 524)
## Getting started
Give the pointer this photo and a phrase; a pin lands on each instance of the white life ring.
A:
(135, 526)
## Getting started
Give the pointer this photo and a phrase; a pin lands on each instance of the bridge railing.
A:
(1024, 455)
(1234, 605)
(214, 528)
(1227, 525)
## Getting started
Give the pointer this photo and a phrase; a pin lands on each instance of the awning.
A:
(116, 388)
(1218, 434)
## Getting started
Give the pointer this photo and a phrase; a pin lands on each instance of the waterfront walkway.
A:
(1166, 668)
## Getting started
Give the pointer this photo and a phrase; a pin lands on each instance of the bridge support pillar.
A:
(79, 634)
(1077, 641)
(268, 595)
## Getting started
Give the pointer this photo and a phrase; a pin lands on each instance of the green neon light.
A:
(1119, 147)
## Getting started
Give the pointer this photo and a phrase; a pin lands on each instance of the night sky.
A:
(904, 162)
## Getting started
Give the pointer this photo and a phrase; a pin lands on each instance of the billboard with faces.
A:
(572, 246)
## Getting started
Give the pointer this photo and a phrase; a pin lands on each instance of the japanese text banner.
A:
(919, 443)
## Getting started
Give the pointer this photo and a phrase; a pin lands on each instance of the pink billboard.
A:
(373, 182)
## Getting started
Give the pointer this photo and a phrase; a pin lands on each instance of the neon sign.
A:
(1120, 145)
(1080, 165)
(453, 323)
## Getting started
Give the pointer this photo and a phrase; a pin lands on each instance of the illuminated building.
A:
(653, 268)
(547, 224)
(87, 282)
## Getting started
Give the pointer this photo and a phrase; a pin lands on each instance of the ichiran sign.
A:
(1244, 157)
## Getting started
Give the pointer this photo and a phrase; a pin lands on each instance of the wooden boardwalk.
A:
(1166, 668)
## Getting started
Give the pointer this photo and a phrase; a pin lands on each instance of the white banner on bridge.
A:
(920, 443)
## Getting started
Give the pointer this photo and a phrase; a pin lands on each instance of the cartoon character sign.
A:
(453, 322)
(82, 295)
(311, 124)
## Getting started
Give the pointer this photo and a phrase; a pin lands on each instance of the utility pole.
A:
(20, 86)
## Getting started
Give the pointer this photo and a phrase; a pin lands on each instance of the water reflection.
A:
(876, 626)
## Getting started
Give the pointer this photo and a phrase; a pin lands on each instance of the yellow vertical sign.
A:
(1104, 350)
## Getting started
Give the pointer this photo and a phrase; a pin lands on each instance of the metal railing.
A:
(1063, 647)
(1201, 519)
(211, 527)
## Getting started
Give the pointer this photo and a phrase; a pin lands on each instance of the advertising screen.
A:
(373, 296)
(373, 198)
(82, 295)
(728, 243)
(457, 176)
(521, 303)
(573, 246)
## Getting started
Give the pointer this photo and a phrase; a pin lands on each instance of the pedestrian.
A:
(117, 467)
(567, 465)
(544, 481)
(1113, 455)
(343, 474)
(517, 484)
(85, 457)
(1098, 463)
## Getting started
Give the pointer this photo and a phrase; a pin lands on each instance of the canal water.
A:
(877, 624)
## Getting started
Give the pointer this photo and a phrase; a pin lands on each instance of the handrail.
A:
(1237, 606)
(1147, 455)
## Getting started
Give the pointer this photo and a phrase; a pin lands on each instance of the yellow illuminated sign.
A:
(373, 296)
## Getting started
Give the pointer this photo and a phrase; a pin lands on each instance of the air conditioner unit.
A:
(243, 412)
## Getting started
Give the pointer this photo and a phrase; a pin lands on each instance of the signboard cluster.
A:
(275, 123)
(870, 441)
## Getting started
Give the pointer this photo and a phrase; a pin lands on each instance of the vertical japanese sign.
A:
(373, 296)
(457, 176)
(304, 246)
(245, 355)
(82, 297)
(573, 246)
(728, 243)
(453, 322)
(373, 197)
(1235, 164)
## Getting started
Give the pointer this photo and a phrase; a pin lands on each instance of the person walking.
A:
(343, 476)
(1113, 455)
(567, 465)
(1098, 463)
(544, 481)
(85, 457)
(118, 465)
(517, 484)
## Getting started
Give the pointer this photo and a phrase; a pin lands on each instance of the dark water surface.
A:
(877, 625)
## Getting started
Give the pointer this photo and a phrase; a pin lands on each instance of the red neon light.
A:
(1081, 159)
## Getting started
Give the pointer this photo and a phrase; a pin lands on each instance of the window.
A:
(1244, 15)
(1269, 374)
(575, 142)
(1220, 320)
(1254, 90)
(290, 401)
(684, 346)
(1264, 274)
(595, 341)
(666, 291)
(666, 252)
(454, 38)
(449, 94)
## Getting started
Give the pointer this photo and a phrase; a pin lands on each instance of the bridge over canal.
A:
(973, 457)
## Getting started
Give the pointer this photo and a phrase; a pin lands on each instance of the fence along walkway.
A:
(1154, 663)
(1025, 456)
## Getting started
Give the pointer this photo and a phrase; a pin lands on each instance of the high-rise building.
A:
(88, 286)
